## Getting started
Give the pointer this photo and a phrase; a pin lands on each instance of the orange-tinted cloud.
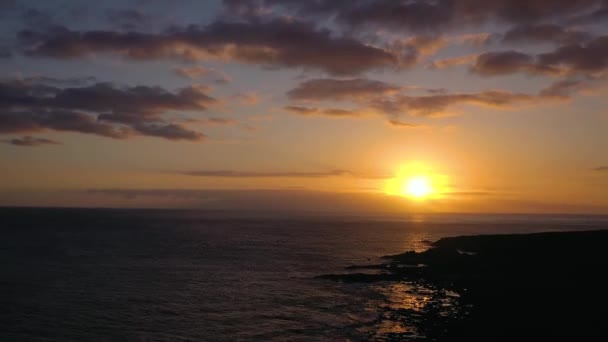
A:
(452, 62)
(330, 112)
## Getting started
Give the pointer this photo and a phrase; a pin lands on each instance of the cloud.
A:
(30, 141)
(250, 98)
(60, 82)
(260, 200)
(583, 58)
(474, 39)
(271, 174)
(601, 168)
(411, 50)
(510, 62)
(434, 105)
(191, 73)
(275, 43)
(340, 89)
(452, 62)
(545, 33)
(101, 109)
(221, 77)
(427, 45)
(402, 124)
(217, 76)
(438, 104)
(221, 121)
(377, 97)
(565, 89)
(590, 58)
(420, 15)
(599, 15)
(330, 112)
(37, 120)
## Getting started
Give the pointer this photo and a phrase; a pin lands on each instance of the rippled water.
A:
(143, 275)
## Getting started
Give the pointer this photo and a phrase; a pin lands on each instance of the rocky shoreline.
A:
(549, 286)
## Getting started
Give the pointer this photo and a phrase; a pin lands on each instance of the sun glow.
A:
(416, 182)
(418, 187)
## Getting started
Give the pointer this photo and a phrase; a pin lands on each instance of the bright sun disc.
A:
(418, 182)
(418, 187)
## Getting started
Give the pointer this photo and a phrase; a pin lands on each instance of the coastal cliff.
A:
(499, 287)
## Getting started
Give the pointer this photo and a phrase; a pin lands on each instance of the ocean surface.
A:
(176, 275)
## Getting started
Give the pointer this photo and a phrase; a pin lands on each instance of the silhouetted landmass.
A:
(547, 286)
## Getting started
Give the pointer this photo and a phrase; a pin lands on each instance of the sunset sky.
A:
(500, 105)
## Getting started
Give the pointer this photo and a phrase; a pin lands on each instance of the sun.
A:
(417, 187)
(417, 182)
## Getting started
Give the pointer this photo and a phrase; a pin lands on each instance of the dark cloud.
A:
(510, 62)
(601, 168)
(393, 101)
(30, 141)
(340, 89)
(500, 63)
(101, 108)
(545, 33)
(37, 120)
(276, 43)
(588, 58)
(577, 58)
(597, 16)
(168, 131)
(61, 82)
(421, 15)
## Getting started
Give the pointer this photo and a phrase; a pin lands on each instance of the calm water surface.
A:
(145, 275)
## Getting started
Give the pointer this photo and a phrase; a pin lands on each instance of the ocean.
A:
(185, 275)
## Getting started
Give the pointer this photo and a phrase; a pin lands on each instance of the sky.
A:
(321, 105)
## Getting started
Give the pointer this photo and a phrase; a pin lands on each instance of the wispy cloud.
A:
(340, 89)
(283, 174)
(329, 112)
(29, 141)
